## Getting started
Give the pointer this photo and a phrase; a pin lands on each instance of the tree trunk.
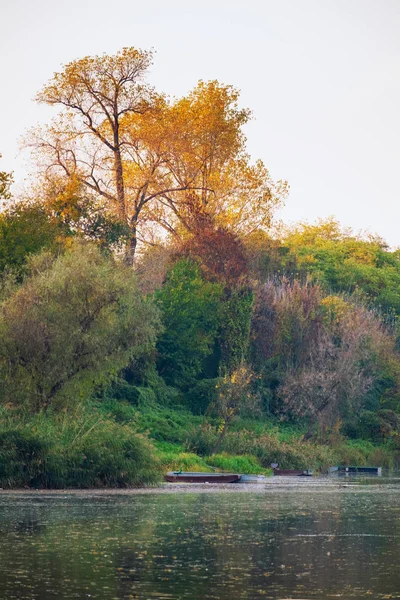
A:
(221, 437)
(310, 429)
(130, 249)
(119, 173)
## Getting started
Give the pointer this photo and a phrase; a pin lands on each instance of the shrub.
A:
(80, 451)
(22, 456)
(73, 324)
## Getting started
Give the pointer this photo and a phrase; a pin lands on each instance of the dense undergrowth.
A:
(115, 444)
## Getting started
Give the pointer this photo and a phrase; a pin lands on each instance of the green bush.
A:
(190, 308)
(374, 426)
(367, 427)
(22, 456)
(73, 324)
(176, 459)
(82, 451)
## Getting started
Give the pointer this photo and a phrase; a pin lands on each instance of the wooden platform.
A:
(293, 472)
(367, 470)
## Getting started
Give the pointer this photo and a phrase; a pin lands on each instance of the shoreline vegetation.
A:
(96, 448)
(154, 316)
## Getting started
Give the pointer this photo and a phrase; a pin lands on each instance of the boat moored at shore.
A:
(192, 477)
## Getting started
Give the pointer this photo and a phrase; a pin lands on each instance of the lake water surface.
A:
(300, 539)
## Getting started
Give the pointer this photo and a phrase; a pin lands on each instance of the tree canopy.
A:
(150, 161)
(74, 323)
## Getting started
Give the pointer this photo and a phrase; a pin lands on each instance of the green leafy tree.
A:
(344, 262)
(236, 313)
(73, 324)
(334, 257)
(25, 230)
(191, 310)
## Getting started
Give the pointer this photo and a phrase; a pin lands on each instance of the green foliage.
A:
(167, 424)
(236, 316)
(238, 464)
(24, 231)
(234, 398)
(191, 312)
(202, 395)
(81, 450)
(21, 456)
(368, 427)
(174, 457)
(303, 345)
(344, 262)
(73, 324)
(376, 426)
(363, 452)
(292, 453)
(120, 389)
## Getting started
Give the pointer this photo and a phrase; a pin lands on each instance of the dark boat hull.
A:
(293, 472)
(202, 477)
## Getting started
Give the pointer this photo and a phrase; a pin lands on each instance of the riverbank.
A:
(122, 446)
(318, 484)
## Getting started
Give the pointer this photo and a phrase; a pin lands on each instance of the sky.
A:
(321, 77)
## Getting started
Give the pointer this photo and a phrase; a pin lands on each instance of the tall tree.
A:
(74, 323)
(190, 308)
(153, 161)
(86, 140)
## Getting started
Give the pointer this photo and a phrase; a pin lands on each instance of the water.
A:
(318, 539)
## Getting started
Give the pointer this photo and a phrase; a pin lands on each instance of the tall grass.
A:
(292, 453)
(238, 464)
(84, 450)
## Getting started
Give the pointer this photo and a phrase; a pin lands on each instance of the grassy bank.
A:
(113, 444)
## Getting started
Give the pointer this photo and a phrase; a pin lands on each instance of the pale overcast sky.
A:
(322, 77)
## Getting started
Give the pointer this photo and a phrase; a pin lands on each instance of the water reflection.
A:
(295, 543)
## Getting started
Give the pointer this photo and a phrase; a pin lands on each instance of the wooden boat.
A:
(293, 472)
(187, 477)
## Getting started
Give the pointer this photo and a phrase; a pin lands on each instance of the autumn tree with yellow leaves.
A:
(151, 162)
